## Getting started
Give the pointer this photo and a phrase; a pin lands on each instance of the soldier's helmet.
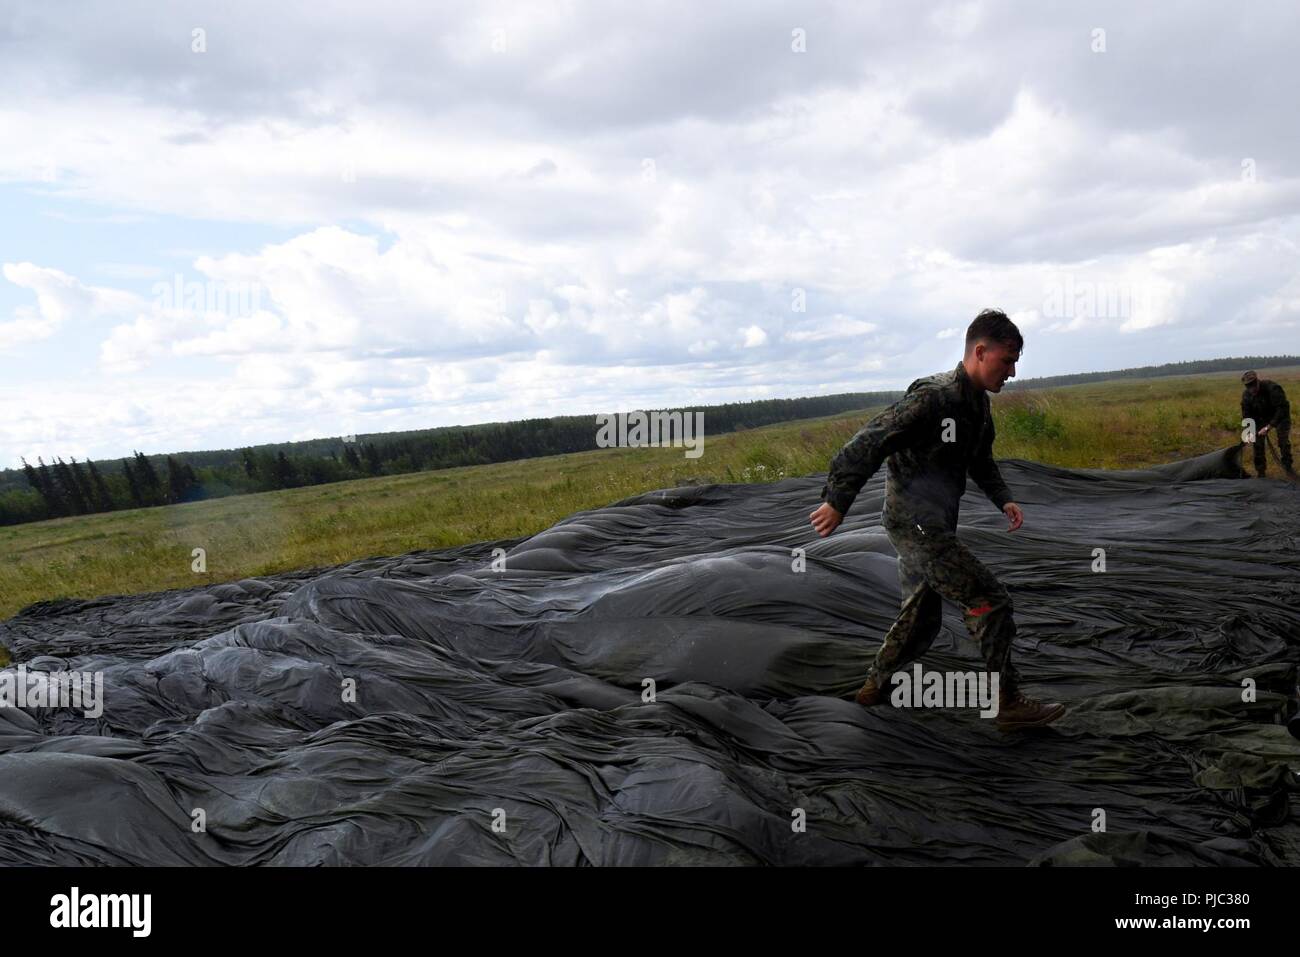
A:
(1250, 378)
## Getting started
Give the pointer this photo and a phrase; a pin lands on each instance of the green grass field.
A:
(1118, 424)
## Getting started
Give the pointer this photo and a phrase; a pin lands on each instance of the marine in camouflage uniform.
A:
(940, 431)
(1265, 401)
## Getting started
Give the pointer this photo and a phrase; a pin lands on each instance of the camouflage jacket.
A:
(932, 437)
(1270, 407)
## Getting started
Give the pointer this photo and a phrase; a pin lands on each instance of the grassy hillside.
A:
(1118, 424)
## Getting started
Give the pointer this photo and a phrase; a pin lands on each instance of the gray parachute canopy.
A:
(669, 680)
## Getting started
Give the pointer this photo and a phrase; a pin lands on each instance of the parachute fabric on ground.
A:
(516, 696)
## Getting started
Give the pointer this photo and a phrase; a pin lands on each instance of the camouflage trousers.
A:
(933, 565)
(1283, 435)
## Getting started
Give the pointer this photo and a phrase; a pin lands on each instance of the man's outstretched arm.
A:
(859, 459)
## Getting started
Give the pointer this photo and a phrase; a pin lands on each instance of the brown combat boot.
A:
(1015, 711)
(872, 693)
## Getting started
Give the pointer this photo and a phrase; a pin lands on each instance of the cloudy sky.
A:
(224, 224)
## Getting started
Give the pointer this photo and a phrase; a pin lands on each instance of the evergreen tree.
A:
(103, 497)
(52, 492)
(39, 482)
(83, 484)
(286, 475)
(68, 485)
(175, 481)
(131, 482)
(30, 473)
(149, 481)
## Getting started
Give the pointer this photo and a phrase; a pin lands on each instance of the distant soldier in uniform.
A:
(1266, 403)
(938, 432)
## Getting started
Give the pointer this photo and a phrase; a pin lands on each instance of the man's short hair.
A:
(994, 324)
(1249, 377)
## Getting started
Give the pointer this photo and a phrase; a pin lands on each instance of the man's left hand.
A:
(1012, 512)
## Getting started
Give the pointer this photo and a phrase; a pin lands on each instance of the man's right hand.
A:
(826, 519)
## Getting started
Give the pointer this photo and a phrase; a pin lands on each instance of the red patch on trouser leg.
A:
(981, 610)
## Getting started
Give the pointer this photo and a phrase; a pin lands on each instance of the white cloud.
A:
(59, 298)
(465, 231)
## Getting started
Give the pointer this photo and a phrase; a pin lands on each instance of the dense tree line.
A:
(1193, 367)
(73, 488)
(50, 490)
